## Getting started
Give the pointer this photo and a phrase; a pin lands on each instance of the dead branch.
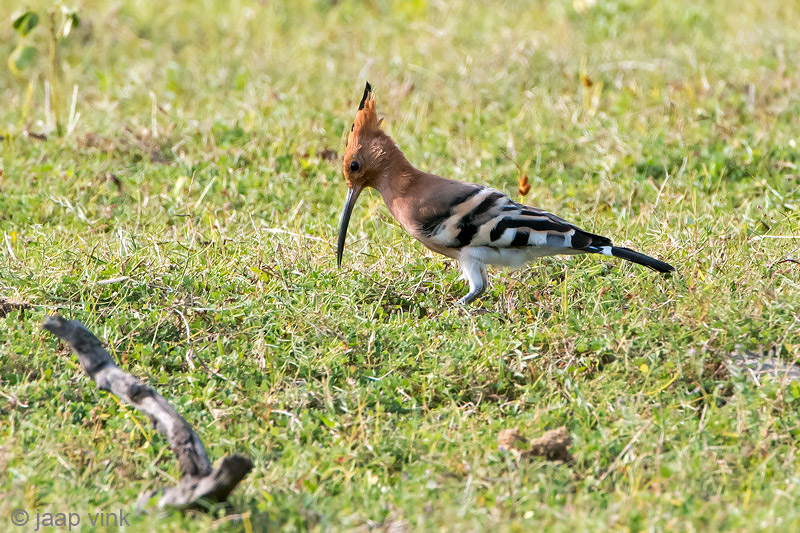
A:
(201, 485)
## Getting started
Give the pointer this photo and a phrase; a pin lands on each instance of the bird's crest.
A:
(366, 120)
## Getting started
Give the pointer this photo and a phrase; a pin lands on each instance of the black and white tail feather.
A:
(485, 227)
(633, 256)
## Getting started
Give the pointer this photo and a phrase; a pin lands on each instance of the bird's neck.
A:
(402, 186)
(396, 178)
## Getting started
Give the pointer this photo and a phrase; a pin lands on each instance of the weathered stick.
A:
(200, 485)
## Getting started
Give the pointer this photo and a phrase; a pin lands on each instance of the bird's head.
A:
(364, 159)
(364, 151)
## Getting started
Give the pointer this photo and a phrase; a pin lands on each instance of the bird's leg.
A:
(474, 272)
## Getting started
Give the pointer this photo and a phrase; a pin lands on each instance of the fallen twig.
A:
(786, 260)
(201, 485)
(756, 365)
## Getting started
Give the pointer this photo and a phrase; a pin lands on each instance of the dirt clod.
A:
(553, 445)
(6, 306)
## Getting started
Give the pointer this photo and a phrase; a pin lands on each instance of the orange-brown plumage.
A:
(474, 224)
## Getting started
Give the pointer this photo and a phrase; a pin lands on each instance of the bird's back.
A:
(451, 215)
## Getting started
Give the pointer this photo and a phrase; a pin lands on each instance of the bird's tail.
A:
(632, 256)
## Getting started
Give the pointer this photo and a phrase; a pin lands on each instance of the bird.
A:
(473, 224)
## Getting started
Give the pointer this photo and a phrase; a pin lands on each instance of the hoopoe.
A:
(473, 224)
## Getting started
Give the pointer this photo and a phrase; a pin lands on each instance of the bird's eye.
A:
(354, 166)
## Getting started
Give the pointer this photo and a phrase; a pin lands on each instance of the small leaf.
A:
(524, 186)
(26, 22)
(21, 57)
(794, 389)
(71, 20)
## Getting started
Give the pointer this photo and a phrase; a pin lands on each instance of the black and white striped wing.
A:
(487, 217)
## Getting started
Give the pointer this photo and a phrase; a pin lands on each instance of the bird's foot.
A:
(470, 297)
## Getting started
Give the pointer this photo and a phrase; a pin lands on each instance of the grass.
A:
(203, 171)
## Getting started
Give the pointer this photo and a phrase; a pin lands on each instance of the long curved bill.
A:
(349, 203)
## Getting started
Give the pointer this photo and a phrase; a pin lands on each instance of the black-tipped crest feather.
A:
(367, 91)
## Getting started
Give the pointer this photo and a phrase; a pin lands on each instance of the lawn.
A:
(187, 214)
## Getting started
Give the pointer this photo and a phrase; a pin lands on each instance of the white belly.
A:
(514, 257)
